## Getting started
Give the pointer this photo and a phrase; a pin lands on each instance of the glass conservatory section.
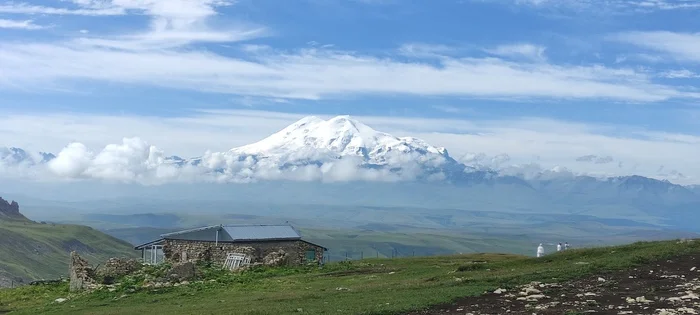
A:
(153, 255)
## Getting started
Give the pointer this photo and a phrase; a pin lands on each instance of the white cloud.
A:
(20, 24)
(527, 51)
(512, 145)
(679, 46)
(679, 74)
(136, 161)
(173, 23)
(164, 55)
(72, 161)
(25, 8)
(314, 74)
(422, 50)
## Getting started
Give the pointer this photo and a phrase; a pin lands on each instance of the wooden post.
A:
(362, 255)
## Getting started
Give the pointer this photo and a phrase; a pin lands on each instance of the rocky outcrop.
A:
(10, 210)
(182, 272)
(82, 276)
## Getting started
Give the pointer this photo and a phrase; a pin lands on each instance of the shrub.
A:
(471, 267)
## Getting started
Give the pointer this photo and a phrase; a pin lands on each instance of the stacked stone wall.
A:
(177, 251)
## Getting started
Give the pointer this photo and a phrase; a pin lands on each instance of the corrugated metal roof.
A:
(261, 232)
(190, 230)
(234, 233)
(156, 242)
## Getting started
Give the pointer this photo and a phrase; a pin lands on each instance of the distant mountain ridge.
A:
(14, 156)
(326, 144)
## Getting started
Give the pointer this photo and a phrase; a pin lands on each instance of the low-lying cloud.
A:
(136, 161)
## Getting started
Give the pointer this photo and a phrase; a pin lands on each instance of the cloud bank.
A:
(136, 161)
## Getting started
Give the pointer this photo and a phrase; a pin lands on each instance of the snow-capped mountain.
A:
(314, 140)
(312, 148)
(15, 156)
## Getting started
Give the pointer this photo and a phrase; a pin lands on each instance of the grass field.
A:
(30, 250)
(370, 286)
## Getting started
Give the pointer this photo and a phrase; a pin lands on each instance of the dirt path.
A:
(665, 288)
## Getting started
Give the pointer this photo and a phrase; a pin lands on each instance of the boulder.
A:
(183, 271)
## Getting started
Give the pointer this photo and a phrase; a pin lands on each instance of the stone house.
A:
(233, 246)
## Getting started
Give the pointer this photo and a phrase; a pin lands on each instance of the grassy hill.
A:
(30, 250)
(370, 286)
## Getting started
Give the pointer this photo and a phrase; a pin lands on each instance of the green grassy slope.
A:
(357, 244)
(371, 286)
(30, 250)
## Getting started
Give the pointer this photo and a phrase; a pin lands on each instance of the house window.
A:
(236, 260)
(310, 255)
(153, 255)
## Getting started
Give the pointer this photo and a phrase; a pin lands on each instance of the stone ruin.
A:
(82, 276)
(116, 268)
(85, 277)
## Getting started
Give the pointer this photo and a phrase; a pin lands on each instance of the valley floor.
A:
(410, 286)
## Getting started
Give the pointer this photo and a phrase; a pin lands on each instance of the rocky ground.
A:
(664, 288)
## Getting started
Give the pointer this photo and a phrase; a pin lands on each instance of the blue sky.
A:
(619, 69)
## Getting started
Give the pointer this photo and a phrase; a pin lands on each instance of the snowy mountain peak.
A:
(314, 140)
(341, 134)
(13, 155)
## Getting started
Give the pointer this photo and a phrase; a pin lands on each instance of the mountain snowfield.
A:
(311, 149)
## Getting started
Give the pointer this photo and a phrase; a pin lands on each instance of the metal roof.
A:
(261, 232)
(189, 230)
(235, 233)
(156, 242)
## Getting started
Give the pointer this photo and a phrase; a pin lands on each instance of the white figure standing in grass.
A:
(566, 245)
(559, 247)
(540, 250)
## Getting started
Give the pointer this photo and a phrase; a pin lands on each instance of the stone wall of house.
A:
(176, 251)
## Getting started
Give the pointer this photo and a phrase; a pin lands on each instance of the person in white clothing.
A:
(566, 245)
(559, 247)
(540, 250)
